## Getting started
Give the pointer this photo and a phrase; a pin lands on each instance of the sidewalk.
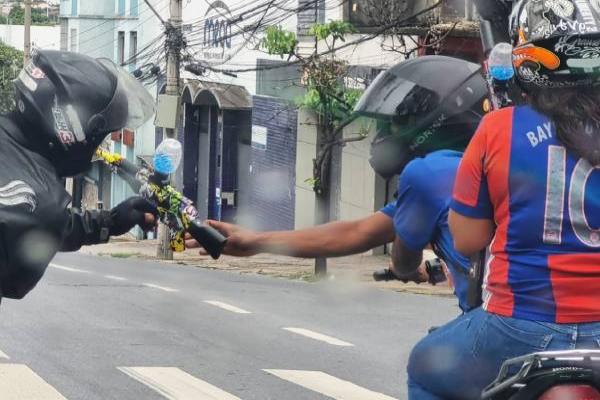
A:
(355, 269)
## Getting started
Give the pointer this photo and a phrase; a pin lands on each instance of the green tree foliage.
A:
(326, 92)
(17, 17)
(325, 82)
(336, 30)
(11, 62)
(280, 42)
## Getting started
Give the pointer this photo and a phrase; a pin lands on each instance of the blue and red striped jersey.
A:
(545, 201)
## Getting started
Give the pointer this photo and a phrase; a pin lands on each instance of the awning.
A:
(226, 96)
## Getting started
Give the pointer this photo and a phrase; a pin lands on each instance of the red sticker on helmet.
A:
(34, 72)
(37, 73)
(66, 137)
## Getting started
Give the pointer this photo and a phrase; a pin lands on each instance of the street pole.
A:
(27, 45)
(173, 45)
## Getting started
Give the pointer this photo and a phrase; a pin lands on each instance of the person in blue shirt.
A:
(419, 117)
(420, 216)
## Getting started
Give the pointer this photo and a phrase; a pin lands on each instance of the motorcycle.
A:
(551, 375)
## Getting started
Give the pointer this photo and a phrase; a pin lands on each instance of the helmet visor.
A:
(131, 106)
(382, 97)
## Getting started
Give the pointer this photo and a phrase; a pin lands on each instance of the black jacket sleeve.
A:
(85, 228)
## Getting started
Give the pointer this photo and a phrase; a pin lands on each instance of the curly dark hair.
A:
(575, 113)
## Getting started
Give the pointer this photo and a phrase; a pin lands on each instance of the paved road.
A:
(105, 328)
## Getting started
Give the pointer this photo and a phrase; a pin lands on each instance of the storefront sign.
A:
(218, 31)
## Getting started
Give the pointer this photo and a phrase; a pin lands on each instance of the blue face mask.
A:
(163, 164)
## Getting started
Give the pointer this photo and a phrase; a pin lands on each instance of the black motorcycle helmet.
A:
(70, 102)
(422, 105)
(556, 44)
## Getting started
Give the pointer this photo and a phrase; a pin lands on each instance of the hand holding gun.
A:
(174, 209)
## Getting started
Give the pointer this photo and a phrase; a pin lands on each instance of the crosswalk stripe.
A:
(19, 382)
(163, 288)
(319, 336)
(175, 384)
(115, 278)
(227, 307)
(328, 385)
(65, 268)
(4, 356)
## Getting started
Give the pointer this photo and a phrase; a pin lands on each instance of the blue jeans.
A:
(459, 359)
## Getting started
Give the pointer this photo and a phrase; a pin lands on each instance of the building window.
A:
(74, 7)
(284, 82)
(121, 48)
(121, 7)
(456, 9)
(372, 14)
(64, 34)
(73, 40)
(128, 137)
(132, 50)
(310, 12)
(133, 8)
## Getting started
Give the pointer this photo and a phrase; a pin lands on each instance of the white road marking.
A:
(18, 382)
(328, 385)
(3, 355)
(115, 278)
(64, 268)
(227, 307)
(163, 288)
(176, 384)
(319, 336)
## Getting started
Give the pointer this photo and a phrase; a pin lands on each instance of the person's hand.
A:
(418, 276)
(240, 242)
(131, 212)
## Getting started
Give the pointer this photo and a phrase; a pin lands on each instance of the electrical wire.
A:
(273, 20)
(363, 39)
(277, 19)
(112, 29)
(256, 11)
(142, 56)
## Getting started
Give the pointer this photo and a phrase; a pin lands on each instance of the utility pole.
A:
(27, 46)
(322, 201)
(173, 47)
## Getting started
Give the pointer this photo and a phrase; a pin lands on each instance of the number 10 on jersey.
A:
(555, 199)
